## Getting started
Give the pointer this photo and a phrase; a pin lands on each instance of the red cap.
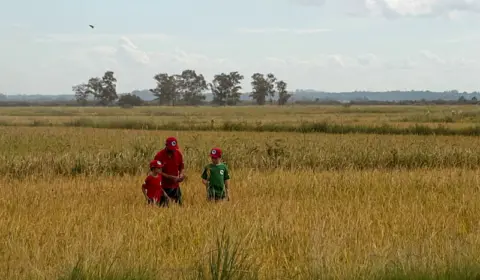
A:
(156, 164)
(216, 153)
(171, 143)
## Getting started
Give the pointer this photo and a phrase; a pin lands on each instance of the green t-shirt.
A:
(216, 175)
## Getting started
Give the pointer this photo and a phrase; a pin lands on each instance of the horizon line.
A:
(294, 91)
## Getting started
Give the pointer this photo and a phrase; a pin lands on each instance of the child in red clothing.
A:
(152, 187)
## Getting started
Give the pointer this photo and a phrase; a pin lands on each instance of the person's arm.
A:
(226, 180)
(227, 184)
(181, 167)
(165, 175)
(158, 157)
(205, 176)
(144, 188)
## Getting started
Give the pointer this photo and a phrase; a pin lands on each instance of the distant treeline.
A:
(73, 103)
(296, 96)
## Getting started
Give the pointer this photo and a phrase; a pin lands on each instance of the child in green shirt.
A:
(216, 177)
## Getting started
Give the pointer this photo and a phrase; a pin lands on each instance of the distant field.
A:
(329, 204)
(423, 120)
(251, 111)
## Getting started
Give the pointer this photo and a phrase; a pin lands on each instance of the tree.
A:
(219, 87)
(226, 88)
(191, 87)
(166, 90)
(234, 94)
(103, 89)
(263, 87)
(109, 88)
(283, 94)
(94, 88)
(81, 93)
(271, 79)
(129, 100)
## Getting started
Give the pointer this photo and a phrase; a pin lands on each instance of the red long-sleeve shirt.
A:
(171, 165)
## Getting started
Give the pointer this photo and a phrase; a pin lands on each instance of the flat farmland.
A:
(463, 120)
(360, 204)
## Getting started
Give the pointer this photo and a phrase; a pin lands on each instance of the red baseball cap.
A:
(216, 153)
(171, 143)
(156, 164)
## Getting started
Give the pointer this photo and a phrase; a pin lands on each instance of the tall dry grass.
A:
(304, 206)
(297, 225)
(75, 151)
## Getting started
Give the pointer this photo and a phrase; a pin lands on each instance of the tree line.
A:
(187, 88)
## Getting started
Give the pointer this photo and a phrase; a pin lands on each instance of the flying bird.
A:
(91, 26)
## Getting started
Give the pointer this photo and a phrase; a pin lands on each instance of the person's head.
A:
(156, 167)
(216, 155)
(171, 144)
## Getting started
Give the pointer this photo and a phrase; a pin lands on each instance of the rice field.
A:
(304, 204)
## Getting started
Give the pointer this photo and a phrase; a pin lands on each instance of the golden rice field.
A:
(228, 118)
(303, 205)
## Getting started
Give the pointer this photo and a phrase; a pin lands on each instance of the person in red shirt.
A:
(173, 169)
(152, 186)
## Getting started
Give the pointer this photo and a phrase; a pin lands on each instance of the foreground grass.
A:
(86, 151)
(304, 205)
(297, 225)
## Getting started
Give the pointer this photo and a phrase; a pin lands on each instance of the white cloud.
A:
(366, 51)
(336, 61)
(404, 8)
(335, 72)
(430, 56)
(135, 67)
(128, 48)
(70, 59)
(368, 59)
(407, 63)
(340, 72)
(52, 63)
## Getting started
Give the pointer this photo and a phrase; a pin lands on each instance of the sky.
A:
(46, 46)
